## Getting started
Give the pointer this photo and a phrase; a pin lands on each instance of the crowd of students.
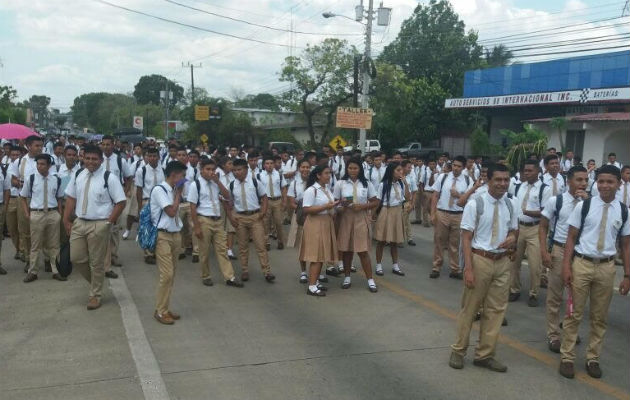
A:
(569, 220)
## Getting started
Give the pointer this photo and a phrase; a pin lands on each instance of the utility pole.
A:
(166, 95)
(366, 69)
(192, 84)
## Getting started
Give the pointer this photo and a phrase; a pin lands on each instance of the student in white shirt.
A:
(295, 193)
(224, 169)
(388, 228)
(553, 178)
(189, 244)
(275, 187)
(589, 269)
(4, 199)
(134, 163)
(250, 205)
(487, 235)
(18, 170)
(208, 226)
(97, 206)
(165, 200)
(553, 230)
(377, 171)
(418, 170)
(447, 217)
(411, 183)
(357, 196)
(11, 199)
(612, 160)
(567, 163)
(623, 194)
(427, 179)
(319, 243)
(39, 199)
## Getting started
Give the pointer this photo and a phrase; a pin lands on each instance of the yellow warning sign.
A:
(337, 142)
(202, 113)
(204, 138)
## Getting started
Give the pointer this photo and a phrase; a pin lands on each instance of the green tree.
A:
(147, 90)
(260, 100)
(320, 78)
(433, 44)
(498, 56)
(522, 144)
(560, 125)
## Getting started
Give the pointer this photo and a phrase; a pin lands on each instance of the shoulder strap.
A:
(586, 205)
(516, 188)
(540, 194)
(76, 175)
(556, 214)
(31, 180)
(467, 179)
(58, 185)
(479, 207)
(624, 217)
(232, 188)
(198, 183)
(509, 205)
(119, 162)
(144, 174)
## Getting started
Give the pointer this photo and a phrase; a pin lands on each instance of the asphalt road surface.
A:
(271, 341)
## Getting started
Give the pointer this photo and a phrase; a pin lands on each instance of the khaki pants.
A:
(12, 222)
(555, 291)
(167, 251)
(214, 234)
(426, 208)
(44, 238)
(88, 248)
(594, 281)
(406, 211)
(447, 233)
(527, 242)
(188, 239)
(275, 213)
(419, 205)
(251, 226)
(24, 229)
(492, 283)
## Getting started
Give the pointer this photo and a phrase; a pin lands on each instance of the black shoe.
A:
(398, 272)
(231, 257)
(456, 275)
(372, 289)
(182, 256)
(149, 260)
(532, 301)
(207, 282)
(3, 271)
(554, 346)
(434, 274)
(60, 278)
(47, 266)
(234, 282)
(513, 297)
(504, 323)
(543, 283)
(323, 279)
(270, 277)
(566, 369)
(400, 245)
(593, 370)
(379, 272)
(318, 293)
(303, 279)
(195, 259)
(477, 316)
(346, 285)
(332, 271)
(30, 278)
(188, 251)
(417, 222)
(411, 242)
(491, 364)
(111, 275)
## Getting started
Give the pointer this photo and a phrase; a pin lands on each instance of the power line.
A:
(188, 25)
(626, 46)
(256, 24)
(573, 43)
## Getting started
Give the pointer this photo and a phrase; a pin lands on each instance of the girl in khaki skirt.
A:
(295, 193)
(388, 229)
(357, 196)
(319, 244)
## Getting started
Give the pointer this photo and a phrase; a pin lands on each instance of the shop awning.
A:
(603, 117)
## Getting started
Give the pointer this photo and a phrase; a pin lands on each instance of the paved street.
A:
(271, 341)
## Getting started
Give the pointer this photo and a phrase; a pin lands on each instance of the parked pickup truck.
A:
(416, 149)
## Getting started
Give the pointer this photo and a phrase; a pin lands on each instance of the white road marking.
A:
(147, 366)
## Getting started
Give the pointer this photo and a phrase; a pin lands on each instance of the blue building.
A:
(592, 92)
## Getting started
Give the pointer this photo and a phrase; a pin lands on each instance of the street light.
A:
(329, 14)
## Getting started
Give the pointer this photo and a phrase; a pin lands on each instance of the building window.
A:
(575, 141)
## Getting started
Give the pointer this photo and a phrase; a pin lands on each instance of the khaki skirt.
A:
(319, 243)
(389, 225)
(353, 233)
(295, 233)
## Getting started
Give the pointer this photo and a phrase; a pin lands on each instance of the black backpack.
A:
(105, 178)
(254, 180)
(540, 192)
(586, 205)
(32, 181)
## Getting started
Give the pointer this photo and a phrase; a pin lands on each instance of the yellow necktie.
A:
(355, 195)
(554, 182)
(380, 177)
(86, 192)
(271, 193)
(177, 222)
(243, 197)
(451, 199)
(495, 224)
(625, 193)
(526, 198)
(602, 228)
(214, 204)
(22, 168)
(45, 194)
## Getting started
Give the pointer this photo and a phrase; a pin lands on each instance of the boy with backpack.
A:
(147, 177)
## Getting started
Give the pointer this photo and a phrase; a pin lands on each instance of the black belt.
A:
(165, 231)
(556, 243)
(595, 260)
(211, 217)
(451, 212)
(529, 223)
(14, 197)
(92, 220)
(275, 198)
(247, 212)
(41, 209)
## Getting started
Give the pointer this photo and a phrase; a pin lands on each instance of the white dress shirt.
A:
(479, 192)
(152, 177)
(474, 174)
(375, 175)
(482, 230)
(317, 195)
(207, 199)
(590, 231)
(445, 190)
(288, 167)
(113, 166)
(162, 197)
(566, 165)
(548, 180)
(5, 182)
(22, 167)
(191, 175)
(345, 190)
(412, 182)
(396, 195)
(277, 183)
(425, 179)
(100, 200)
(36, 193)
(297, 188)
(251, 197)
(562, 226)
(624, 189)
(616, 164)
(338, 166)
(533, 203)
(64, 171)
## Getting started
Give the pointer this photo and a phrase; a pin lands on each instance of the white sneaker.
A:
(125, 234)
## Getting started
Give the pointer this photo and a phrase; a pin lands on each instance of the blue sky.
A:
(63, 48)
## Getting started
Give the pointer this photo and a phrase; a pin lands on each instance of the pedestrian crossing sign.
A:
(337, 142)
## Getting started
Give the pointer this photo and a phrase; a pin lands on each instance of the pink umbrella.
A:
(15, 131)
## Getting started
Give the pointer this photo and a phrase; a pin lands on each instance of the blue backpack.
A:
(147, 232)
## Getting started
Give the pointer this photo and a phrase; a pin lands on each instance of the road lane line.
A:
(545, 358)
(149, 373)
